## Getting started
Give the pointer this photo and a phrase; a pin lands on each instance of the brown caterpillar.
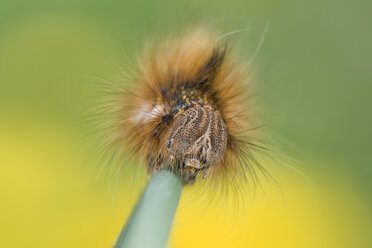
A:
(188, 109)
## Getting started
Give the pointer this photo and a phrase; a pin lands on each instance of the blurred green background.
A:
(315, 80)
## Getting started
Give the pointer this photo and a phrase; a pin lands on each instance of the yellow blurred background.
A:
(313, 67)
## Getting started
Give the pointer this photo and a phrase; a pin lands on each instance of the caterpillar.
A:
(187, 109)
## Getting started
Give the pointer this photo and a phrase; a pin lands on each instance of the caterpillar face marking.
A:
(184, 114)
(197, 137)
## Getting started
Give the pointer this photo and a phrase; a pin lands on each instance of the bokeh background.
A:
(315, 79)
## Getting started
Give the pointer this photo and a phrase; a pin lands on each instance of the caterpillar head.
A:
(197, 138)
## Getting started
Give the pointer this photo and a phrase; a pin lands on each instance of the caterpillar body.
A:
(187, 109)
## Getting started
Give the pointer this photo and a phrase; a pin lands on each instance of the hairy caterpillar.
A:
(188, 109)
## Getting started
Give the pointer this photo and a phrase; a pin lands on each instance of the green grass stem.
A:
(150, 222)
